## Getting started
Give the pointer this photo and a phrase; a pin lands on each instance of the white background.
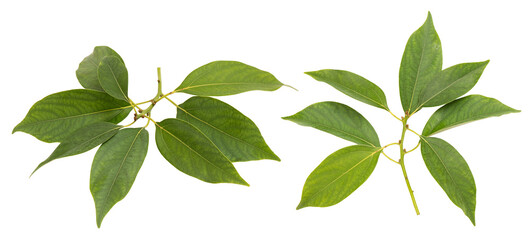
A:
(42, 43)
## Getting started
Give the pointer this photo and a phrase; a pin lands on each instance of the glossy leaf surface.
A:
(338, 176)
(452, 173)
(421, 61)
(353, 85)
(236, 136)
(56, 116)
(190, 151)
(115, 167)
(113, 77)
(451, 83)
(464, 110)
(87, 73)
(222, 78)
(82, 140)
(337, 119)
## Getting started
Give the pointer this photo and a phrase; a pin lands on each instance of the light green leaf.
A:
(56, 116)
(464, 110)
(339, 175)
(113, 77)
(451, 83)
(337, 119)
(82, 140)
(115, 167)
(190, 151)
(221, 78)
(353, 85)
(236, 136)
(421, 61)
(451, 171)
(87, 73)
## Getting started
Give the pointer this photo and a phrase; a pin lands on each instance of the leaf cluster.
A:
(203, 140)
(422, 83)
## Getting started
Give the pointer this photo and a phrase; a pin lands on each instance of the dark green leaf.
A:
(190, 151)
(222, 78)
(451, 171)
(87, 73)
(353, 85)
(450, 84)
(56, 116)
(82, 140)
(464, 110)
(113, 77)
(115, 167)
(421, 61)
(236, 136)
(337, 119)
(339, 175)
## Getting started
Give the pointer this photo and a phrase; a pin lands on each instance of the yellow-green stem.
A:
(401, 161)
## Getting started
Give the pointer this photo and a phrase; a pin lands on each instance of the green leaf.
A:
(339, 120)
(115, 167)
(236, 136)
(451, 83)
(339, 175)
(353, 85)
(221, 78)
(113, 77)
(464, 110)
(190, 151)
(421, 61)
(451, 171)
(82, 140)
(56, 116)
(87, 73)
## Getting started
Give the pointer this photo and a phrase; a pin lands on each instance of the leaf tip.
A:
(300, 206)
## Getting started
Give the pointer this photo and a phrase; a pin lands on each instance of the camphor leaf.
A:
(464, 110)
(339, 175)
(421, 61)
(451, 171)
(115, 167)
(87, 73)
(113, 78)
(451, 83)
(236, 136)
(221, 78)
(190, 151)
(337, 119)
(82, 140)
(353, 85)
(56, 116)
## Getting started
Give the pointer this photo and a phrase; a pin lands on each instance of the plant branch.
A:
(401, 161)
(418, 144)
(394, 115)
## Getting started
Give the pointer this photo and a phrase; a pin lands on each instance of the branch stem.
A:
(401, 161)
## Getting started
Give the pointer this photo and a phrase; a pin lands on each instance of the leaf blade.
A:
(451, 83)
(339, 120)
(56, 116)
(115, 167)
(338, 176)
(227, 128)
(422, 59)
(352, 85)
(82, 140)
(113, 77)
(87, 72)
(464, 110)
(451, 172)
(221, 78)
(191, 152)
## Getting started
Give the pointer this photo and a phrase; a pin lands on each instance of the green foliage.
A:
(422, 83)
(203, 141)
